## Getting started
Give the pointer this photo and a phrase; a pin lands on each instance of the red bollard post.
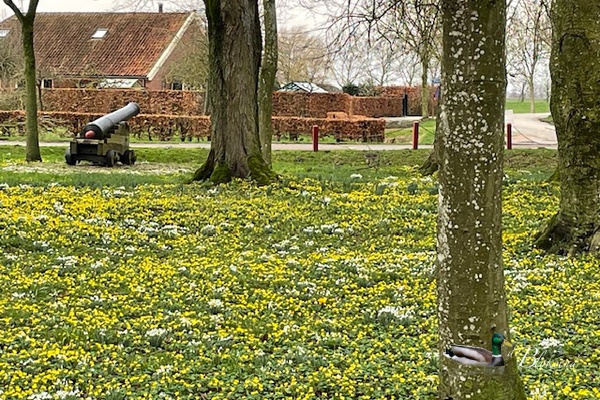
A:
(508, 135)
(415, 138)
(315, 137)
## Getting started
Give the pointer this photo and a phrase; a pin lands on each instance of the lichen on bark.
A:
(470, 281)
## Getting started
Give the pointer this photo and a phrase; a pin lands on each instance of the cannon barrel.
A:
(105, 125)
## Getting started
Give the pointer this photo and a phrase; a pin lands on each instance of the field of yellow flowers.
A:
(306, 289)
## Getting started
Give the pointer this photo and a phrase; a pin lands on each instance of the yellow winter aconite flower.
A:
(308, 290)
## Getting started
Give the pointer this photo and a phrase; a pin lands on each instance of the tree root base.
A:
(430, 166)
(218, 172)
(561, 238)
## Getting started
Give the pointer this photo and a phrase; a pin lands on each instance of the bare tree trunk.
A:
(531, 85)
(522, 94)
(268, 70)
(234, 57)
(39, 94)
(425, 60)
(575, 107)
(32, 142)
(432, 164)
(471, 296)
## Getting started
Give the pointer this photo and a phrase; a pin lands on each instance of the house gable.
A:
(126, 45)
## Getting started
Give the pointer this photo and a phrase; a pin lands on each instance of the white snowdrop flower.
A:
(58, 207)
(326, 200)
(309, 229)
(209, 230)
(164, 369)
(63, 394)
(40, 396)
(388, 310)
(215, 303)
(19, 295)
(550, 342)
(356, 176)
(396, 312)
(155, 332)
(4, 186)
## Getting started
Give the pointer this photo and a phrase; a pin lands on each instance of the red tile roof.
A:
(131, 47)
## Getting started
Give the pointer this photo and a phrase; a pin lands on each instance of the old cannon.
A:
(105, 140)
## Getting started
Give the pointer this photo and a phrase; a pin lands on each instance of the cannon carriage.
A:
(105, 140)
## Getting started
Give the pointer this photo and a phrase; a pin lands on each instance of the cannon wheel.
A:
(69, 158)
(111, 158)
(129, 157)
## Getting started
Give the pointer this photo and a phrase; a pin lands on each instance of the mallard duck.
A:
(469, 355)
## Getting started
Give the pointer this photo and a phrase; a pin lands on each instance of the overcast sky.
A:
(293, 16)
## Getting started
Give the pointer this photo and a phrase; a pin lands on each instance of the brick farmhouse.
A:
(107, 49)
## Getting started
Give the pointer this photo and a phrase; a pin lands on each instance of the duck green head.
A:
(497, 340)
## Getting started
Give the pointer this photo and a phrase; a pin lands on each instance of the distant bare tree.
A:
(302, 56)
(412, 24)
(192, 69)
(527, 43)
(346, 64)
(384, 58)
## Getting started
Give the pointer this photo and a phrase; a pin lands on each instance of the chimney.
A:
(160, 7)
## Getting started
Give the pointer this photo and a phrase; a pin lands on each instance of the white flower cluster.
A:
(40, 396)
(549, 343)
(396, 312)
(215, 303)
(209, 230)
(155, 332)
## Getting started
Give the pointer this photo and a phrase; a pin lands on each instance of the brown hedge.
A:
(166, 127)
(172, 102)
(176, 102)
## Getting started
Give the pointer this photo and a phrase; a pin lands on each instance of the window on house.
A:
(47, 83)
(176, 85)
(100, 33)
(4, 32)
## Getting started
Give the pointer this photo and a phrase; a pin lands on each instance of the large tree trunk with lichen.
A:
(268, 69)
(471, 295)
(575, 106)
(234, 58)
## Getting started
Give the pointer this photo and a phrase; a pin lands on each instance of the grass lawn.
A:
(520, 107)
(125, 283)
(404, 135)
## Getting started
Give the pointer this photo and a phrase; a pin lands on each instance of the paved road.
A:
(528, 132)
(529, 129)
